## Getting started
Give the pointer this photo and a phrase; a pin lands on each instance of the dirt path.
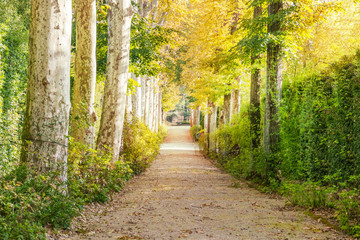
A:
(183, 196)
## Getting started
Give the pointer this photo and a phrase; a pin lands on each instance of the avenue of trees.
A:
(85, 85)
(274, 98)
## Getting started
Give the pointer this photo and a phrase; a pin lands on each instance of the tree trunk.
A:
(227, 110)
(212, 127)
(255, 115)
(235, 99)
(273, 84)
(143, 97)
(160, 110)
(112, 117)
(83, 113)
(147, 102)
(151, 104)
(46, 120)
(156, 101)
(129, 109)
(136, 99)
(206, 126)
(197, 116)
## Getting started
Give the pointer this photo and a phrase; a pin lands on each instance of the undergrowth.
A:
(29, 201)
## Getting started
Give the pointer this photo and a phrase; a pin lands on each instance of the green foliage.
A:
(28, 202)
(146, 41)
(140, 145)
(320, 124)
(196, 131)
(308, 194)
(92, 175)
(14, 23)
(234, 148)
(348, 211)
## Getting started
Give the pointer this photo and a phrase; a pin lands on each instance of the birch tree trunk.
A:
(46, 120)
(112, 118)
(273, 84)
(83, 112)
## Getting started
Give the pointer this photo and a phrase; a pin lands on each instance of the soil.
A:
(184, 196)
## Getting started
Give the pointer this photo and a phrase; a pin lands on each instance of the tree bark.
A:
(273, 84)
(151, 104)
(255, 115)
(157, 108)
(112, 118)
(147, 103)
(206, 126)
(160, 110)
(197, 116)
(227, 108)
(235, 99)
(212, 127)
(143, 97)
(83, 113)
(46, 120)
(136, 99)
(129, 109)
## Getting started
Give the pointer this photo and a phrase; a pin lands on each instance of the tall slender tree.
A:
(48, 92)
(112, 118)
(255, 115)
(83, 112)
(273, 79)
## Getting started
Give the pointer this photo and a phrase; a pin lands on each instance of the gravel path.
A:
(184, 196)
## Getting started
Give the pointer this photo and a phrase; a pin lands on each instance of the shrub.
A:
(195, 132)
(140, 145)
(29, 202)
(92, 174)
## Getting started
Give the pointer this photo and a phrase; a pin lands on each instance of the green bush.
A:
(140, 145)
(92, 174)
(195, 132)
(29, 202)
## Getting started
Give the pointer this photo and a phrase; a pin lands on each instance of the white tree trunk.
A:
(212, 128)
(112, 118)
(160, 110)
(129, 109)
(147, 102)
(206, 126)
(156, 110)
(151, 105)
(143, 97)
(136, 99)
(48, 92)
(197, 117)
(227, 109)
(235, 99)
(83, 112)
